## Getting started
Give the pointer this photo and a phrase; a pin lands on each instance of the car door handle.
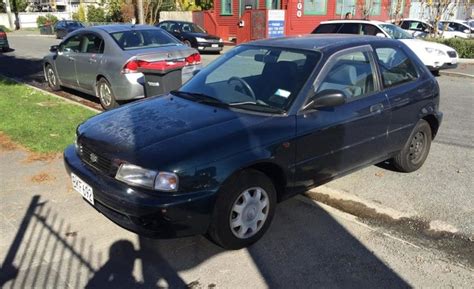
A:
(92, 60)
(376, 108)
(70, 59)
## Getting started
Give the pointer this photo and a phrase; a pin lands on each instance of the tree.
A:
(18, 5)
(80, 15)
(95, 14)
(128, 12)
(440, 10)
(205, 4)
(114, 11)
(151, 10)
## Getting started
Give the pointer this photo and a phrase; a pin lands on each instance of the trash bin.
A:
(161, 77)
(46, 29)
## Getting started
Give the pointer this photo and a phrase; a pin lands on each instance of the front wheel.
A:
(416, 150)
(105, 94)
(243, 210)
(51, 78)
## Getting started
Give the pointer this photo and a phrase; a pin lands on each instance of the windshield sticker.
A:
(282, 93)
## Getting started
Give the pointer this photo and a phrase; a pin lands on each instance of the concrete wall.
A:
(28, 19)
(176, 15)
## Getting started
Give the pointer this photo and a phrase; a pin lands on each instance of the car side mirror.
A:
(326, 98)
(53, 49)
(380, 35)
(466, 31)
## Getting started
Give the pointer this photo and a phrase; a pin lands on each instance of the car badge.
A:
(93, 157)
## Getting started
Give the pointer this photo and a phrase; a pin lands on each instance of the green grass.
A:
(36, 120)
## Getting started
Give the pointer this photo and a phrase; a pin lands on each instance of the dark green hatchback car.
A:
(4, 41)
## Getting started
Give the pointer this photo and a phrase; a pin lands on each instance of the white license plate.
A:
(215, 45)
(454, 61)
(83, 188)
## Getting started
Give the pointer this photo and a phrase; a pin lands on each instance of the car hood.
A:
(164, 132)
(417, 43)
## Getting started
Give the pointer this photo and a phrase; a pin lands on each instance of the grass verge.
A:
(36, 120)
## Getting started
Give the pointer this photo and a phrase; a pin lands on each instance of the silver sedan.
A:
(106, 61)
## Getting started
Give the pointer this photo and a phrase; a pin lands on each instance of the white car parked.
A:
(455, 29)
(434, 55)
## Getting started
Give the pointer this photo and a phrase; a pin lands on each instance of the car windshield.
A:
(139, 39)
(395, 32)
(191, 27)
(471, 23)
(263, 79)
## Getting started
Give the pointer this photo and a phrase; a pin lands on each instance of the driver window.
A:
(352, 74)
(395, 66)
(72, 44)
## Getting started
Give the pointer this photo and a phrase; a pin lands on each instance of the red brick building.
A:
(300, 16)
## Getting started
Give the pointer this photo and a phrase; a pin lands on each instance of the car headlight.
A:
(138, 176)
(434, 51)
(200, 39)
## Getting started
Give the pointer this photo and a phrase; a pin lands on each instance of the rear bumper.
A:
(209, 46)
(4, 43)
(144, 212)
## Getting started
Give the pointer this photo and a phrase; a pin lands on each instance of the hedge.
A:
(464, 47)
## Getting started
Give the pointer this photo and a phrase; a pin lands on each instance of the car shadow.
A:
(305, 247)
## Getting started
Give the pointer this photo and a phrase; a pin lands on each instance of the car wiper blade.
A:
(267, 108)
(201, 97)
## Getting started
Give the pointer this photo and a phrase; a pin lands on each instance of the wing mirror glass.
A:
(53, 49)
(326, 98)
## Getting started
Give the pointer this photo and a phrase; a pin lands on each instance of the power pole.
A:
(141, 17)
(9, 14)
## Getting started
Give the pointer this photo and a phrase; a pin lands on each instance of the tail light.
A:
(3, 35)
(193, 59)
(134, 65)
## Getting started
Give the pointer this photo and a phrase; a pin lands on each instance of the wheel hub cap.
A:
(249, 212)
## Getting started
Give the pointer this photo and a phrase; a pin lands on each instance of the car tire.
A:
(416, 150)
(435, 72)
(51, 78)
(187, 43)
(106, 95)
(243, 211)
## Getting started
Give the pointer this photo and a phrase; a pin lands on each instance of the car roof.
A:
(318, 41)
(353, 21)
(121, 27)
(178, 21)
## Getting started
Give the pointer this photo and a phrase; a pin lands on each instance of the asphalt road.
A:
(309, 245)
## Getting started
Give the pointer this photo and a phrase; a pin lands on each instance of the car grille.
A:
(95, 160)
(452, 54)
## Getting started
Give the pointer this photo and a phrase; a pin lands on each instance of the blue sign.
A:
(276, 28)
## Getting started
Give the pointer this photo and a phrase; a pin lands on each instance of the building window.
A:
(393, 8)
(315, 7)
(273, 4)
(345, 6)
(375, 7)
(226, 7)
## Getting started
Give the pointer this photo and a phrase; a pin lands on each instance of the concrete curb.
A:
(466, 60)
(456, 74)
(50, 94)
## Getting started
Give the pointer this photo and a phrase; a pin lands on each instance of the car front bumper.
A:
(141, 211)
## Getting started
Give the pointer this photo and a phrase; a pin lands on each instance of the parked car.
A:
(193, 35)
(268, 120)
(4, 41)
(435, 56)
(455, 29)
(64, 27)
(105, 60)
(416, 27)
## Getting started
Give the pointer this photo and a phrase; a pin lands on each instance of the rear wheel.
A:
(244, 210)
(187, 43)
(105, 94)
(416, 150)
(51, 78)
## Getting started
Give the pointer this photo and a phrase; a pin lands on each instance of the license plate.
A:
(83, 188)
(454, 61)
(215, 45)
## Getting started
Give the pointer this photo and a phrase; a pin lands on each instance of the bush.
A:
(464, 47)
(80, 15)
(48, 19)
(95, 14)
(4, 28)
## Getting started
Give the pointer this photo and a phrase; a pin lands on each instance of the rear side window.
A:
(327, 28)
(368, 29)
(395, 66)
(92, 43)
(139, 39)
(350, 28)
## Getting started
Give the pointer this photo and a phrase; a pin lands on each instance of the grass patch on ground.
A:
(36, 120)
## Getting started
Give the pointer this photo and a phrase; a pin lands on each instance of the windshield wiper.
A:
(199, 97)
(266, 108)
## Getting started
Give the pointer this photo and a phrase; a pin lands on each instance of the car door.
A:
(399, 79)
(88, 61)
(65, 60)
(334, 140)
